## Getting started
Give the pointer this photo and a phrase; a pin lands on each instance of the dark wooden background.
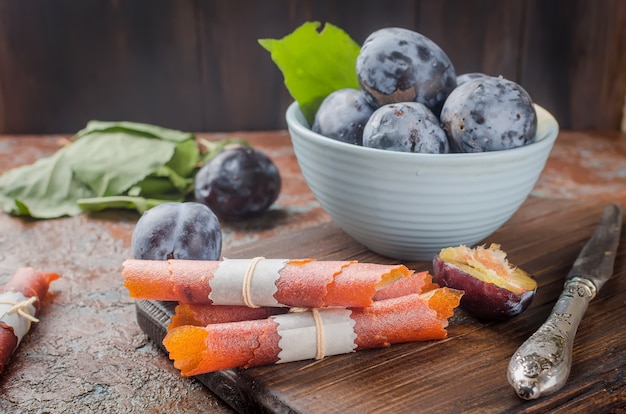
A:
(196, 65)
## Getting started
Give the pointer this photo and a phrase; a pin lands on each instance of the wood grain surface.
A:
(197, 66)
(465, 372)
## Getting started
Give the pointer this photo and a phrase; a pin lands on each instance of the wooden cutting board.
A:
(465, 372)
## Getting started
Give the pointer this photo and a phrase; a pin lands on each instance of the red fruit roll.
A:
(20, 305)
(202, 315)
(314, 333)
(260, 282)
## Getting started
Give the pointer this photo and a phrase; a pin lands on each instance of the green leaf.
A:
(111, 162)
(186, 156)
(141, 204)
(135, 128)
(47, 188)
(152, 186)
(105, 160)
(315, 63)
(212, 148)
(181, 184)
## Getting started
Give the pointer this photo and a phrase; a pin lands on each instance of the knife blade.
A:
(541, 365)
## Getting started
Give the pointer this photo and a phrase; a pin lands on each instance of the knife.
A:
(542, 364)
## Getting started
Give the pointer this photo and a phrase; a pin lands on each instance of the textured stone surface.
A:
(586, 166)
(88, 354)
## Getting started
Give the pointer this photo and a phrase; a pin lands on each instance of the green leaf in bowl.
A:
(315, 63)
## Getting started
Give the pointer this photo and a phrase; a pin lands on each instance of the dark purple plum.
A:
(494, 289)
(189, 231)
(461, 79)
(400, 65)
(342, 116)
(240, 181)
(489, 114)
(405, 127)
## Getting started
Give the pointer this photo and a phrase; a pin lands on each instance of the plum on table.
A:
(494, 289)
(405, 127)
(173, 230)
(489, 113)
(240, 181)
(400, 65)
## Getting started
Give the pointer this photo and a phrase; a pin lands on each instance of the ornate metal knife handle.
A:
(542, 364)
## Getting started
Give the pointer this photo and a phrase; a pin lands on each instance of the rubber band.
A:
(320, 347)
(19, 308)
(319, 329)
(247, 281)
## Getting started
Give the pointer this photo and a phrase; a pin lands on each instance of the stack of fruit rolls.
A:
(20, 304)
(202, 314)
(319, 309)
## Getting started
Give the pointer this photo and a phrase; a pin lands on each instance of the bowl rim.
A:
(547, 133)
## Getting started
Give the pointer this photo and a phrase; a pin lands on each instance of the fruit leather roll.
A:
(314, 333)
(260, 282)
(20, 304)
(202, 315)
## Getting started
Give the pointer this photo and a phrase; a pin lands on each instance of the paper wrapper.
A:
(17, 312)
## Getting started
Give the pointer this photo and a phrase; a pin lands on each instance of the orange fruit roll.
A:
(202, 315)
(298, 283)
(20, 304)
(416, 317)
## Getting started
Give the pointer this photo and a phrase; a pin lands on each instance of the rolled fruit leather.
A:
(261, 282)
(313, 333)
(20, 305)
(202, 314)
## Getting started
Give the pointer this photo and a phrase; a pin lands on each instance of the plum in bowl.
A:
(411, 205)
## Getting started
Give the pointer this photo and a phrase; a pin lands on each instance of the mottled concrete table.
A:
(89, 355)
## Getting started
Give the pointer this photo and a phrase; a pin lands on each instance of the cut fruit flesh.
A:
(489, 265)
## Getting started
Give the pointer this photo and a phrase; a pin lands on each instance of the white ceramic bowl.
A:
(409, 206)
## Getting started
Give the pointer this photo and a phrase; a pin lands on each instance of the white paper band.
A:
(299, 334)
(246, 282)
(17, 311)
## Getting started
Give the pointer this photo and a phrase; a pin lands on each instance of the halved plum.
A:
(494, 289)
